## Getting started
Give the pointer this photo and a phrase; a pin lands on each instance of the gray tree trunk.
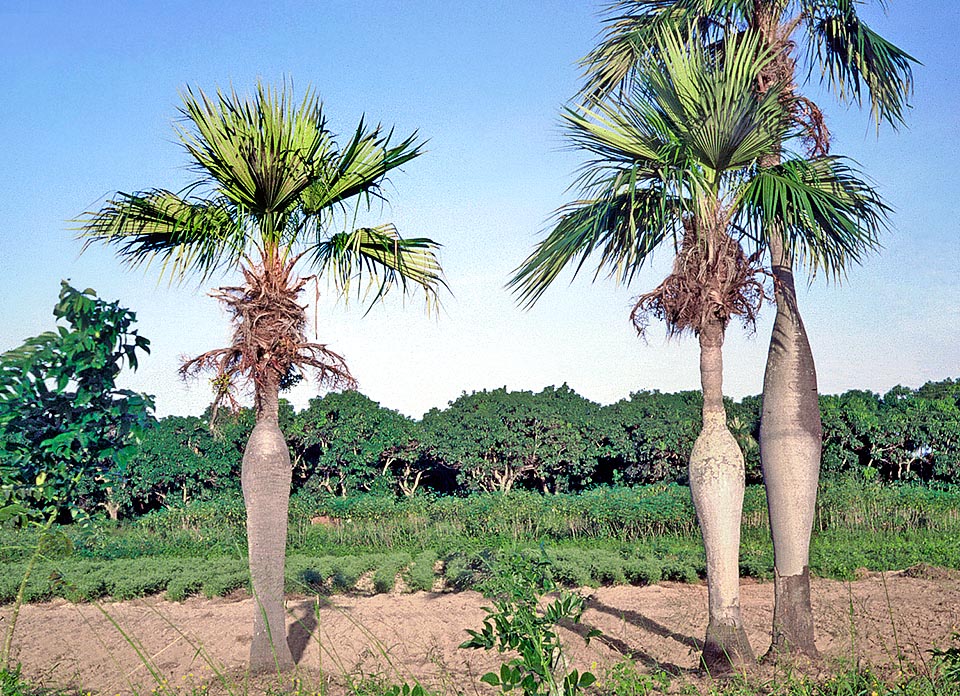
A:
(790, 441)
(717, 483)
(266, 476)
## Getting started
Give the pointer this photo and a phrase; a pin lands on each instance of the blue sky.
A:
(91, 101)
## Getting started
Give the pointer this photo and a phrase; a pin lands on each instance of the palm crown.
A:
(271, 178)
(271, 181)
(680, 151)
(833, 39)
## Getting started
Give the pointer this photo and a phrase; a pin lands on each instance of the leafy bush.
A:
(385, 578)
(519, 623)
(421, 575)
(643, 571)
(66, 429)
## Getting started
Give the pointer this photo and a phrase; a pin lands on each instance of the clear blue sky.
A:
(92, 94)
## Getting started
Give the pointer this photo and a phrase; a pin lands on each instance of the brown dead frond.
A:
(715, 280)
(781, 71)
(813, 127)
(269, 340)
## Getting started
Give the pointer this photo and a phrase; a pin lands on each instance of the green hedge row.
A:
(835, 553)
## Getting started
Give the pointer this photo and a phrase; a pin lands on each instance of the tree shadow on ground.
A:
(644, 623)
(305, 623)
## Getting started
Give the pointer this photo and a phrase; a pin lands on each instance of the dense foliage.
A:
(496, 440)
(553, 441)
(345, 443)
(67, 430)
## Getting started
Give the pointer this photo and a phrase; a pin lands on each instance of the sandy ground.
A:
(400, 637)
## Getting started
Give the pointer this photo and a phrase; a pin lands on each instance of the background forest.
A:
(553, 441)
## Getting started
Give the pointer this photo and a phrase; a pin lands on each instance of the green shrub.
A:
(230, 574)
(682, 570)
(421, 575)
(521, 622)
(131, 579)
(643, 571)
(607, 568)
(183, 586)
(348, 569)
(86, 582)
(569, 569)
(309, 575)
(464, 571)
(385, 577)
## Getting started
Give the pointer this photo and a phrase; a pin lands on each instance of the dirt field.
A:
(404, 636)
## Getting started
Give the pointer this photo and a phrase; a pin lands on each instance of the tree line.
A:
(553, 441)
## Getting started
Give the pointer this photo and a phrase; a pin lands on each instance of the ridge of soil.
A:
(878, 620)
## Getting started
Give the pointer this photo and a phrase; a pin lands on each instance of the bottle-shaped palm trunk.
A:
(717, 484)
(790, 441)
(266, 478)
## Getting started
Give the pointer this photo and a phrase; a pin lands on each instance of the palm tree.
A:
(854, 60)
(271, 181)
(677, 158)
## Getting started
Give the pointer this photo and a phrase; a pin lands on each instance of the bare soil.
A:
(877, 620)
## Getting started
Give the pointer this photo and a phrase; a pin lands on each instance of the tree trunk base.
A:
(792, 618)
(269, 653)
(266, 490)
(726, 649)
(278, 663)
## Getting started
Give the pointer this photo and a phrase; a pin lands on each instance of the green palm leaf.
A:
(358, 169)
(275, 179)
(712, 104)
(853, 56)
(679, 137)
(633, 28)
(185, 235)
(828, 214)
(624, 134)
(849, 55)
(261, 153)
(623, 228)
(384, 258)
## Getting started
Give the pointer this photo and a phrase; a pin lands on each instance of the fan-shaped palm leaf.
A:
(712, 106)
(187, 236)
(659, 153)
(359, 168)
(632, 30)
(622, 228)
(260, 153)
(828, 214)
(839, 45)
(852, 56)
(383, 257)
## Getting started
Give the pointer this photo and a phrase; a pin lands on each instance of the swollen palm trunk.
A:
(266, 493)
(790, 440)
(717, 484)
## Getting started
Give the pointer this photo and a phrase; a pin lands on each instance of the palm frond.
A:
(713, 106)
(261, 153)
(359, 169)
(828, 214)
(384, 258)
(626, 133)
(670, 148)
(185, 235)
(633, 27)
(852, 57)
(623, 227)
